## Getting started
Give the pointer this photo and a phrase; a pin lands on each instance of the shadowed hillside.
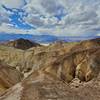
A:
(21, 44)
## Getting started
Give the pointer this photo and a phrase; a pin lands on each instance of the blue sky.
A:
(53, 17)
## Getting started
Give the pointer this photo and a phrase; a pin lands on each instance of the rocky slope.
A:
(60, 71)
(53, 90)
(8, 76)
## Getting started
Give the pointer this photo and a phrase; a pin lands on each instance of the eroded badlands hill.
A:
(60, 71)
(8, 76)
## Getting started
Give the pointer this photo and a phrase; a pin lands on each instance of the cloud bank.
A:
(54, 17)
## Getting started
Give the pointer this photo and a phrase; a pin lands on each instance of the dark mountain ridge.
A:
(21, 44)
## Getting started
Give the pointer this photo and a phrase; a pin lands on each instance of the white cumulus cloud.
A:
(56, 17)
(12, 3)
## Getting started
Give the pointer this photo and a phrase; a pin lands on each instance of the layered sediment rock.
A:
(8, 76)
(60, 71)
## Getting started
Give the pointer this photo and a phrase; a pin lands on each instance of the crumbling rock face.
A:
(11, 56)
(8, 76)
(48, 89)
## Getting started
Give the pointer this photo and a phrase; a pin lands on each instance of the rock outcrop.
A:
(44, 88)
(8, 76)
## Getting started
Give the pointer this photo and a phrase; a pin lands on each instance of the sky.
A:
(50, 17)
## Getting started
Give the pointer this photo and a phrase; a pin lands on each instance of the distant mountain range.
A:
(43, 38)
